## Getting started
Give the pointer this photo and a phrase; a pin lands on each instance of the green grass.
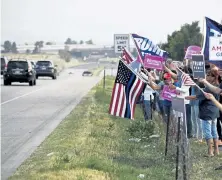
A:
(92, 145)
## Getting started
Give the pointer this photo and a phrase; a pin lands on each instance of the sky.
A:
(55, 20)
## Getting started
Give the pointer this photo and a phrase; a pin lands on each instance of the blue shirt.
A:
(207, 109)
(194, 91)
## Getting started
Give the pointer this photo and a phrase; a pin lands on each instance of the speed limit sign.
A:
(121, 41)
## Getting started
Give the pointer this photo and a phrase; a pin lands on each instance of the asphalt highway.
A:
(30, 113)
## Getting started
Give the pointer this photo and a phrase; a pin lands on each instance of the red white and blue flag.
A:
(186, 80)
(128, 87)
(127, 57)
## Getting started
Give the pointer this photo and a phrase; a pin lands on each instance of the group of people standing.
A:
(202, 106)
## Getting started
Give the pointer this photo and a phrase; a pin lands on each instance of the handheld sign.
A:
(153, 62)
(178, 104)
(167, 93)
(198, 66)
(192, 50)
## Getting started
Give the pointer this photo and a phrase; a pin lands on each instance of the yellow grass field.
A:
(61, 63)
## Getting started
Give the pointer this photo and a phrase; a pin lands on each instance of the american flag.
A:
(128, 87)
(126, 56)
(186, 80)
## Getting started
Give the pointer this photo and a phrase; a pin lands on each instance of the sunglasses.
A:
(210, 75)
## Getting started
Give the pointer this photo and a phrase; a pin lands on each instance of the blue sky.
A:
(56, 20)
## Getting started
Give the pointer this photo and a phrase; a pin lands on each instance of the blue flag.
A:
(146, 46)
(213, 33)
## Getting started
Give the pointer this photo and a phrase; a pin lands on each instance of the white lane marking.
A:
(5, 102)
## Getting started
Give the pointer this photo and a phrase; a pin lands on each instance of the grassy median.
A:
(92, 145)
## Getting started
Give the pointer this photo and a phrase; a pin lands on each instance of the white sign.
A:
(121, 41)
(215, 49)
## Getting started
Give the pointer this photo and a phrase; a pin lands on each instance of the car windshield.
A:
(44, 63)
(18, 64)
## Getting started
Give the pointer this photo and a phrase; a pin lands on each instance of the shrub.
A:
(141, 129)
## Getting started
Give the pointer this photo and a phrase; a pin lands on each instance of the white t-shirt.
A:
(148, 92)
(184, 91)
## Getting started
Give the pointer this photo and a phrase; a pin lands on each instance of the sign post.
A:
(178, 105)
(121, 41)
(104, 79)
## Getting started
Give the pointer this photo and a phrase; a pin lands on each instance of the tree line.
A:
(177, 42)
(12, 47)
(70, 41)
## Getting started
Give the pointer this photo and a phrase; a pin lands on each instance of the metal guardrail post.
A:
(104, 79)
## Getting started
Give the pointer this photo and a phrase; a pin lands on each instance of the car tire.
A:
(31, 83)
(6, 83)
(54, 77)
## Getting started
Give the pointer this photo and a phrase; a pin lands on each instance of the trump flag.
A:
(212, 45)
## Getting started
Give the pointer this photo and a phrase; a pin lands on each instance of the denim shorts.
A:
(210, 129)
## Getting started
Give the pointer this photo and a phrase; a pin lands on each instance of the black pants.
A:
(189, 121)
(219, 128)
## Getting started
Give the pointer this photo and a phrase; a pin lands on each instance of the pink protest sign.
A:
(192, 50)
(167, 93)
(153, 62)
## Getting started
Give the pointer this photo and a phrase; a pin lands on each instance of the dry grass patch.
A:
(62, 64)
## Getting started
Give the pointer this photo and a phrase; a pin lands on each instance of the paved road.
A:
(29, 114)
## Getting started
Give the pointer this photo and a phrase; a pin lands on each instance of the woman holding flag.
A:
(209, 114)
(217, 90)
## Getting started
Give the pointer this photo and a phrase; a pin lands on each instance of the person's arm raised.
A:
(212, 98)
(212, 88)
(174, 76)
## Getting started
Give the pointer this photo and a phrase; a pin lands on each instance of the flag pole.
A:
(203, 40)
(137, 49)
(203, 30)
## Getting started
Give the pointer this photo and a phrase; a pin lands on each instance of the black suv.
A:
(46, 68)
(19, 70)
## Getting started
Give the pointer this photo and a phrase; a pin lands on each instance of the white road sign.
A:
(121, 41)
